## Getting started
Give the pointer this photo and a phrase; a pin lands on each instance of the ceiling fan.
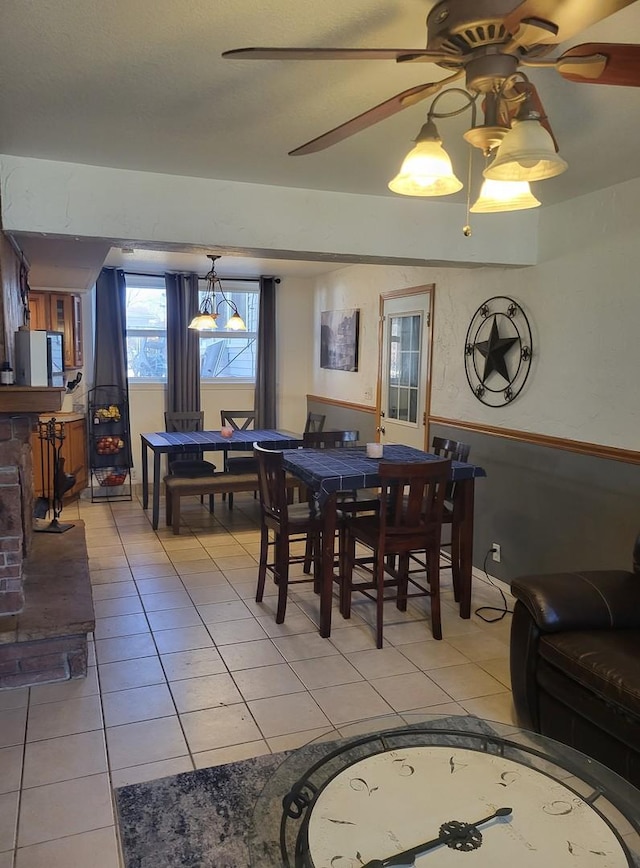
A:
(487, 41)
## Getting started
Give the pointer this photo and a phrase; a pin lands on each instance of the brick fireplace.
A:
(46, 610)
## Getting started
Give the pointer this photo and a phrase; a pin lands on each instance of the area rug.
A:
(203, 819)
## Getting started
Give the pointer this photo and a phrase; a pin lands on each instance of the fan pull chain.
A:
(466, 229)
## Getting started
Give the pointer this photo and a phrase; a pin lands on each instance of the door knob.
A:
(381, 430)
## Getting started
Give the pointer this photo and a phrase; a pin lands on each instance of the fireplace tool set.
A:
(54, 477)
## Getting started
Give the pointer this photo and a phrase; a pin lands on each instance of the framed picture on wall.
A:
(339, 339)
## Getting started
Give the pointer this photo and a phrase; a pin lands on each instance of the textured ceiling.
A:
(140, 84)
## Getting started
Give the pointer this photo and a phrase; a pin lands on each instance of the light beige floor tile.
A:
(147, 559)
(143, 545)
(479, 648)
(151, 771)
(216, 613)
(172, 619)
(465, 682)
(60, 759)
(183, 556)
(295, 740)
(433, 654)
(498, 707)
(10, 769)
(139, 703)
(372, 724)
(114, 590)
(12, 726)
(182, 639)
(346, 703)
(235, 562)
(66, 808)
(16, 698)
(73, 689)
(6, 859)
(110, 562)
(247, 592)
(192, 664)
(222, 549)
(153, 571)
(243, 576)
(146, 741)
(248, 655)
(269, 604)
(125, 648)
(357, 638)
(281, 715)
(325, 671)
(97, 551)
(126, 674)
(219, 593)
(69, 716)
(98, 848)
(122, 625)
(304, 646)
(234, 753)
(380, 662)
(412, 631)
(499, 669)
(168, 600)
(202, 565)
(204, 579)
(265, 681)
(207, 691)
(219, 727)
(162, 585)
(178, 544)
(99, 577)
(446, 709)
(234, 632)
(294, 624)
(414, 690)
(117, 606)
(8, 819)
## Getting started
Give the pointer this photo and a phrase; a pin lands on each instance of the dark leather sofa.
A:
(575, 662)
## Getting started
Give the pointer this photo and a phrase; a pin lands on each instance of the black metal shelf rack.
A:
(109, 446)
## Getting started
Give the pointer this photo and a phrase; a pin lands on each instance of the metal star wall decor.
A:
(498, 351)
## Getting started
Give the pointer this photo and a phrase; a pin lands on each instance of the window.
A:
(146, 309)
(224, 354)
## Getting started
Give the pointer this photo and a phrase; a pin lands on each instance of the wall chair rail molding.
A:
(595, 450)
(348, 405)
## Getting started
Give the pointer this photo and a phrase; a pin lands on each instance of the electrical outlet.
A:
(496, 552)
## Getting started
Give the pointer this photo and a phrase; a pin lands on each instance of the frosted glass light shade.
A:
(527, 153)
(204, 322)
(426, 171)
(236, 323)
(504, 196)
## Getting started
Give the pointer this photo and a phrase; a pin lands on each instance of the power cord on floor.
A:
(505, 610)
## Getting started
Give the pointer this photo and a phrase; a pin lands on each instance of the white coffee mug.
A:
(374, 450)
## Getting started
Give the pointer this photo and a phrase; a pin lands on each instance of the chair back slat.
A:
(411, 502)
(183, 423)
(330, 439)
(453, 449)
(315, 422)
(239, 420)
(272, 484)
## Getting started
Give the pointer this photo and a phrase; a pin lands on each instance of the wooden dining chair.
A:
(288, 522)
(188, 464)
(314, 423)
(239, 420)
(410, 518)
(456, 451)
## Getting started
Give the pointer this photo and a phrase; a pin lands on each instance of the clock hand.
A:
(454, 834)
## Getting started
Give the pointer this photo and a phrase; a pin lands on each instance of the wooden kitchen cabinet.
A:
(74, 452)
(60, 312)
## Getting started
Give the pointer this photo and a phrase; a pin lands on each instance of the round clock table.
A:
(446, 791)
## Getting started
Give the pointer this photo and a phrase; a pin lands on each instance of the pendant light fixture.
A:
(209, 311)
(496, 196)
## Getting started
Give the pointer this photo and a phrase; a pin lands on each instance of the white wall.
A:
(583, 304)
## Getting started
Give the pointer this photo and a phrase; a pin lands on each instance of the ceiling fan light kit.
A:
(504, 196)
(487, 41)
(427, 169)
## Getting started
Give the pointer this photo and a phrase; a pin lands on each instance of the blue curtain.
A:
(183, 344)
(110, 361)
(265, 397)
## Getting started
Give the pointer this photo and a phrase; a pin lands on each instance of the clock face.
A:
(397, 799)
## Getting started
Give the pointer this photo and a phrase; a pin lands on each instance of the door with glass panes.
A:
(404, 366)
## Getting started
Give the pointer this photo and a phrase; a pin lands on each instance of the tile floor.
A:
(187, 671)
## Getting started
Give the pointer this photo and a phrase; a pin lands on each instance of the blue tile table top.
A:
(186, 441)
(328, 470)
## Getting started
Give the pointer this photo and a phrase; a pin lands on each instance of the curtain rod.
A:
(227, 279)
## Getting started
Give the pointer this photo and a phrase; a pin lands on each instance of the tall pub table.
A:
(164, 442)
(327, 471)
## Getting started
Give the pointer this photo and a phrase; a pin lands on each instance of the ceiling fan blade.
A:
(612, 64)
(423, 55)
(373, 116)
(569, 16)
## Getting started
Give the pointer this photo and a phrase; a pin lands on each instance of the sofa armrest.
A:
(581, 601)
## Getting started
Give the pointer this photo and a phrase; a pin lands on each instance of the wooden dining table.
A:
(328, 471)
(178, 442)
